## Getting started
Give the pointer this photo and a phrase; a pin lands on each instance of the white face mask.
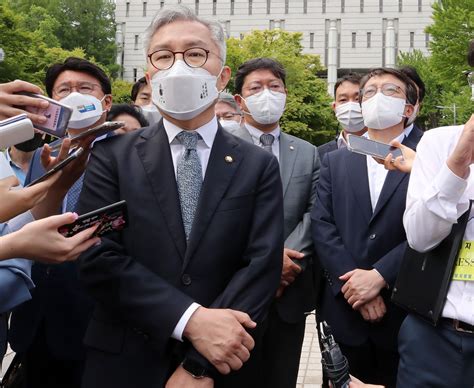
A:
(87, 109)
(151, 113)
(267, 106)
(184, 92)
(381, 111)
(230, 125)
(412, 118)
(350, 117)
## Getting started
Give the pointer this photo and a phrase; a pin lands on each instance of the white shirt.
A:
(341, 141)
(436, 199)
(377, 172)
(203, 148)
(256, 133)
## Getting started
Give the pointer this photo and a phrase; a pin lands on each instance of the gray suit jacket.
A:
(299, 169)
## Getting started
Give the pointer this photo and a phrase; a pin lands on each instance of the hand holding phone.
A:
(111, 218)
(365, 146)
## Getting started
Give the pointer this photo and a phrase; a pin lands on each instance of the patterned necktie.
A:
(189, 178)
(267, 141)
(73, 194)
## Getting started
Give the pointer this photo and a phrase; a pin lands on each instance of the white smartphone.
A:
(365, 146)
(14, 130)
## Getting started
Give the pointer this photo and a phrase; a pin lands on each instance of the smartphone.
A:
(112, 218)
(74, 154)
(58, 115)
(16, 129)
(100, 130)
(365, 146)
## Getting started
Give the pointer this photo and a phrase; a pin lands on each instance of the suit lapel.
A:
(395, 178)
(356, 170)
(224, 160)
(288, 153)
(154, 152)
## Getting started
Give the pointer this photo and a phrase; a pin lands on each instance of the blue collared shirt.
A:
(20, 174)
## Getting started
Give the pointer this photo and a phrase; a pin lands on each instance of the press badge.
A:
(464, 265)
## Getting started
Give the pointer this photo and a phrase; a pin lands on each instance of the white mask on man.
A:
(266, 107)
(381, 111)
(87, 109)
(350, 117)
(151, 113)
(184, 92)
(230, 125)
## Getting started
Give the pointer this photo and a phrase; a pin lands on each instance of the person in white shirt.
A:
(441, 186)
(359, 236)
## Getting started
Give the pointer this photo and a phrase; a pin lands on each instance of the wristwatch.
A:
(196, 370)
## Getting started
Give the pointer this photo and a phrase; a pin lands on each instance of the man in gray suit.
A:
(261, 94)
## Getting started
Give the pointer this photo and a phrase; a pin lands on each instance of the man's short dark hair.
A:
(411, 72)
(137, 86)
(76, 64)
(470, 54)
(410, 88)
(353, 78)
(251, 65)
(127, 109)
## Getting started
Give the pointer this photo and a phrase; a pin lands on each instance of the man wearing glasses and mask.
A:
(358, 232)
(48, 330)
(228, 112)
(180, 291)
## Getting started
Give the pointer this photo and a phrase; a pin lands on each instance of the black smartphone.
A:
(100, 130)
(74, 154)
(57, 114)
(365, 146)
(112, 218)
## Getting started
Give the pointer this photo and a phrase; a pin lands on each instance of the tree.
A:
(308, 111)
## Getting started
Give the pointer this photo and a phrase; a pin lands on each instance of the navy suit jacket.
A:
(146, 277)
(59, 302)
(348, 235)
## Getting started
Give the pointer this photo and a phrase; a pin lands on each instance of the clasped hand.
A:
(361, 286)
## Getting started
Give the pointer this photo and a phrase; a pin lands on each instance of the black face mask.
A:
(32, 144)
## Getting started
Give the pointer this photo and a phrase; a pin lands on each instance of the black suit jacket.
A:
(348, 235)
(145, 278)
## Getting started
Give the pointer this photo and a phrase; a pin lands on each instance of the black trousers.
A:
(372, 364)
(434, 357)
(44, 370)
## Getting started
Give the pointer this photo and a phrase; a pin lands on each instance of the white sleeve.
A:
(435, 196)
(179, 328)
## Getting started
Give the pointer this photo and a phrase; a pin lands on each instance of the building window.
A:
(250, 7)
(287, 6)
(420, 5)
(380, 5)
(361, 6)
(305, 6)
(354, 37)
(427, 40)
(232, 6)
(400, 5)
(241, 36)
(135, 43)
(134, 74)
(162, 3)
(196, 7)
(311, 40)
(214, 7)
(127, 9)
(369, 40)
(280, 24)
(343, 6)
(268, 6)
(323, 4)
(144, 8)
(412, 40)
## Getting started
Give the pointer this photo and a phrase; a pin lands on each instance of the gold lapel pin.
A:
(228, 159)
(292, 148)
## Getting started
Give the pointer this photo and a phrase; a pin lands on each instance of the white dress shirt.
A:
(436, 199)
(341, 141)
(203, 148)
(377, 172)
(256, 133)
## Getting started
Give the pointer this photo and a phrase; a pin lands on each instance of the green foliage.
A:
(442, 72)
(121, 91)
(308, 110)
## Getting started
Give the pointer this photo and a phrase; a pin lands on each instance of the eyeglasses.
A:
(386, 89)
(193, 57)
(65, 90)
(257, 88)
(228, 116)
